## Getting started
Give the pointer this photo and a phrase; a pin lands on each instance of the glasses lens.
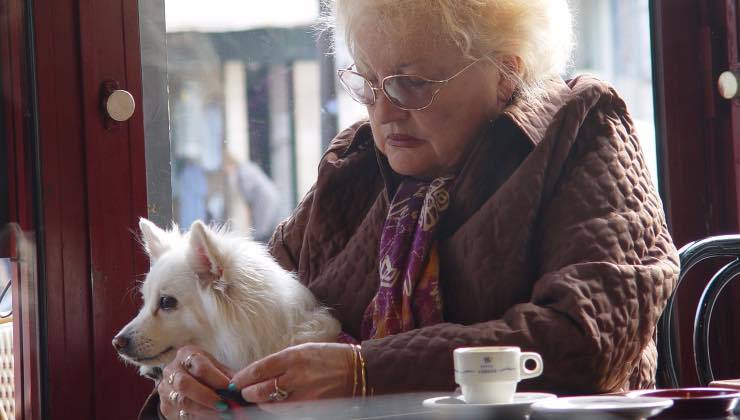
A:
(357, 87)
(411, 92)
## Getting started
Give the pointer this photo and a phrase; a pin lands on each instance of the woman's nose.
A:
(384, 111)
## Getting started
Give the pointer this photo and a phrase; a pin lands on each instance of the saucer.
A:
(604, 406)
(695, 402)
(454, 406)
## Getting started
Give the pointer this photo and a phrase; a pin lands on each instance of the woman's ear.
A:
(511, 65)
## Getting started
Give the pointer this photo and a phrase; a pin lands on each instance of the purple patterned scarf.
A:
(409, 295)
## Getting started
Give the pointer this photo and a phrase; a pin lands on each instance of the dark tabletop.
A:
(406, 406)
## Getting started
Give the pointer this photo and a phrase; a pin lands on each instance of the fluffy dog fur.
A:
(222, 293)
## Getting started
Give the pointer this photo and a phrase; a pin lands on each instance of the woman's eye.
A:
(412, 82)
(167, 303)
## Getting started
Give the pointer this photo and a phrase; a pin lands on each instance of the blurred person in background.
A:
(260, 194)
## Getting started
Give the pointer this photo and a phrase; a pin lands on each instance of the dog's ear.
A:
(204, 256)
(153, 238)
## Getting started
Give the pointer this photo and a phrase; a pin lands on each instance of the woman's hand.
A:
(188, 383)
(306, 372)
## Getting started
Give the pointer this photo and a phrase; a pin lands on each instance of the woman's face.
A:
(433, 141)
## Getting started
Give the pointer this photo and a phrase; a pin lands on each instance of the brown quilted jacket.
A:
(555, 242)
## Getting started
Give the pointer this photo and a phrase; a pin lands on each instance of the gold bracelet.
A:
(362, 371)
(354, 370)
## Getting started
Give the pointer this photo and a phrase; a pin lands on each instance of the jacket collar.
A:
(534, 118)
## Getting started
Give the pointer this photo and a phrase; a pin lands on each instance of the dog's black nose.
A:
(120, 342)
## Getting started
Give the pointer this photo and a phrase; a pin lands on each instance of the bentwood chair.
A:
(690, 255)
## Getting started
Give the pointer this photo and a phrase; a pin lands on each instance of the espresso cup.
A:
(489, 375)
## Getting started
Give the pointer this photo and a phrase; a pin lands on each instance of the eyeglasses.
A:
(406, 91)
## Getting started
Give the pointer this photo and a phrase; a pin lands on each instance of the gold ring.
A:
(171, 378)
(183, 414)
(174, 395)
(278, 394)
(188, 362)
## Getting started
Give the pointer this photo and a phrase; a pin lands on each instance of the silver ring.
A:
(174, 395)
(171, 378)
(183, 414)
(188, 362)
(278, 394)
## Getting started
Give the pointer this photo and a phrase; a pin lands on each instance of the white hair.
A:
(538, 32)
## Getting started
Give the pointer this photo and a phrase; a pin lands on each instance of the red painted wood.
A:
(679, 94)
(62, 150)
(718, 16)
(726, 330)
(116, 186)
(700, 158)
(93, 193)
(731, 23)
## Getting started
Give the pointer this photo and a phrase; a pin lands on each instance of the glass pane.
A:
(245, 110)
(613, 43)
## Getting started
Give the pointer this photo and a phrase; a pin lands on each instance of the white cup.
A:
(489, 375)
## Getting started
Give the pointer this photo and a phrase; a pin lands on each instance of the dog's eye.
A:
(167, 303)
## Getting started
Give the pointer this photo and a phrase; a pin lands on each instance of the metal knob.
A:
(728, 85)
(120, 105)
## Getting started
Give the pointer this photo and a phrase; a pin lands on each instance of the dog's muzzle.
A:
(120, 343)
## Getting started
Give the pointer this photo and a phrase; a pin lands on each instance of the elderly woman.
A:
(486, 202)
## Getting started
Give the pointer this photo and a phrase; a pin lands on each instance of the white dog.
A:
(222, 293)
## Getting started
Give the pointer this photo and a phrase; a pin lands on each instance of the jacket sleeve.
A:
(286, 241)
(288, 238)
(607, 266)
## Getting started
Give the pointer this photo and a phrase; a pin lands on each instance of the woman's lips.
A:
(402, 140)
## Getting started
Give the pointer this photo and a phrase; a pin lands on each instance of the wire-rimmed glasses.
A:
(406, 91)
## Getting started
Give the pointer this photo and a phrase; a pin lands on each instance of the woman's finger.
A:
(294, 383)
(184, 352)
(306, 371)
(204, 368)
(261, 392)
(172, 403)
(188, 389)
(187, 410)
(266, 368)
(220, 366)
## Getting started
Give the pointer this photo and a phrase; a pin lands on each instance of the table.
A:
(397, 406)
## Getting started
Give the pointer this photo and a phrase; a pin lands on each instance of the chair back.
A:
(690, 255)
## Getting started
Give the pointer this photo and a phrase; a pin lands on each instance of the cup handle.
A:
(530, 373)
